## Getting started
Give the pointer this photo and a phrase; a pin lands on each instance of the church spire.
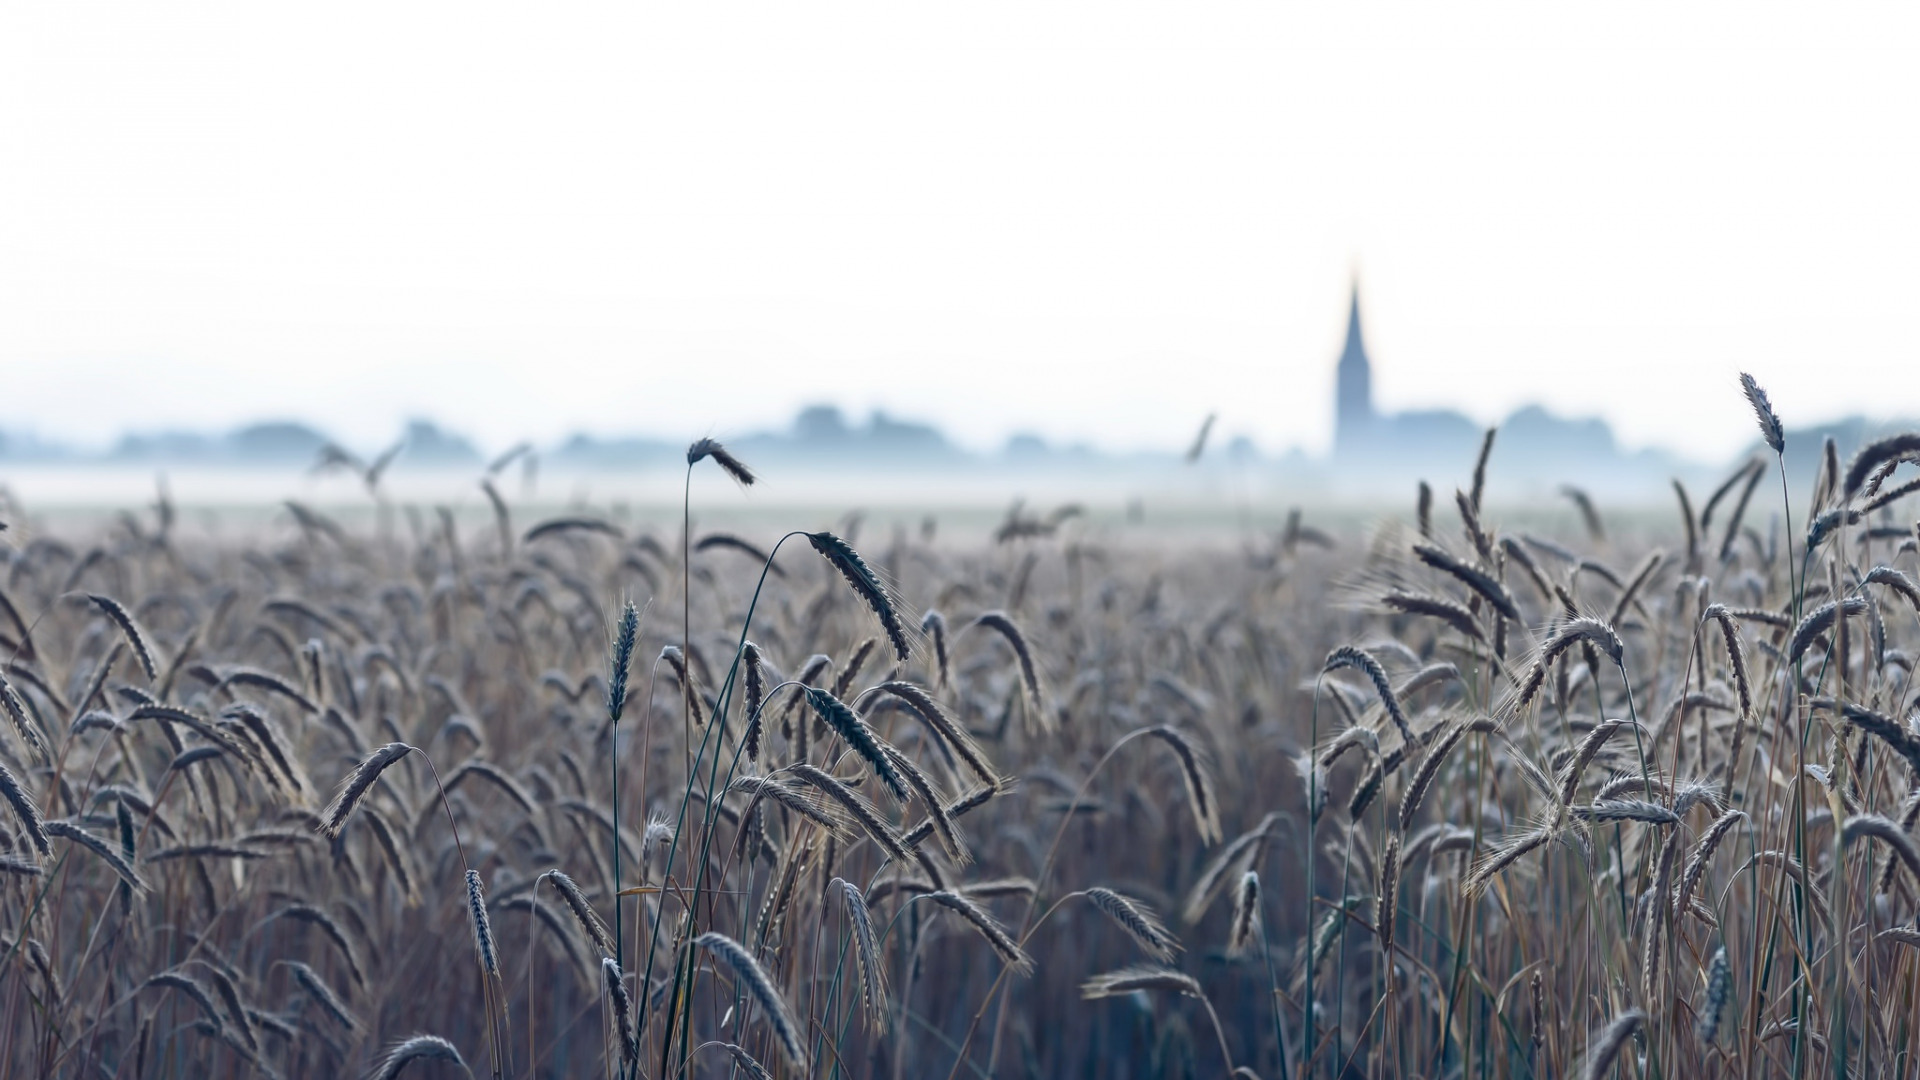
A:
(1355, 346)
(1353, 401)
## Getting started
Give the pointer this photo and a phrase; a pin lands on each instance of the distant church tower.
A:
(1353, 400)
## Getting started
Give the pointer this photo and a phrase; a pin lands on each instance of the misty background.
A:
(1056, 237)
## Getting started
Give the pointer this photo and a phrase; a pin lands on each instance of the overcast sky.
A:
(1096, 222)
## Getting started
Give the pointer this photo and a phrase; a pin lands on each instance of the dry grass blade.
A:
(1901, 935)
(1702, 855)
(1436, 607)
(583, 913)
(702, 449)
(355, 787)
(22, 721)
(1908, 819)
(1719, 992)
(1771, 430)
(1246, 915)
(1128, 980)
(754, 701)
(959, 807)
(1818, 621)
(203, 851)
(761, 787)
(236, 1009)
(859, 738)
(995, 934)
(417, 1048)
(934, 625)
(995, 888)
(1590, 630)
(1479, 490)
(1635, 584)
(689, 689)
(857, 808)
(620, 660)
(1589, 515)
(1424, 776)
(1573, 632)
(1902, 447)
(1387, 900)
(266, 680)
(1606, 1045)
(1198, 781)
(1472, 577)
(1736, 656)
(396, 855)
(115, 860)
(277, 751)
(563, 525)
(1470, 524)
(1792, 868)
(1881, 727)
(136, 640)
(844, 682)
(1626, 810)
(1001, 624)
(1349, 656)
(868, 586)
(622, 1010)
(186, 984)
(1352, 738)
(1244, 849)
(943, 727)
(1583, 756)
(1735, 518)
(873, 984)
(25, 810)
(544, 913)
(1517, 551)
(313, 916)
(1135, 918)
(951, 842)
(1827, 524)
(748, 971)
(746, 1063)
(1504, 855)
(730, 542)
(322, 994)
(1687, 520)
(1200, 441)
(492, 774)
(1888, 833)
(482, 926)
(1897, 581)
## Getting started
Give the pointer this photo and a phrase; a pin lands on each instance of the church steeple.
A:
(1353, 401)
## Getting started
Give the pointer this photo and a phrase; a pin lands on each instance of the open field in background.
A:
(1472, 792)
(1210, 507)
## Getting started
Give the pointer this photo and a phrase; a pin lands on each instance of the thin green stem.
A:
(723, 703)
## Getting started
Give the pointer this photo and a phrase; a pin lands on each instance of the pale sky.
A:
(1095, 221)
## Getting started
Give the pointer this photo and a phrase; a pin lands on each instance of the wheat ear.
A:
(750, 974)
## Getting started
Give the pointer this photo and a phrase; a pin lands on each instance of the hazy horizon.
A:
(1098, 223)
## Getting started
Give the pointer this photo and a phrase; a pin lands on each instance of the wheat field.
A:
(1601, 796)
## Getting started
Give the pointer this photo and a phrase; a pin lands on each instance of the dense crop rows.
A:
(1440, 800)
